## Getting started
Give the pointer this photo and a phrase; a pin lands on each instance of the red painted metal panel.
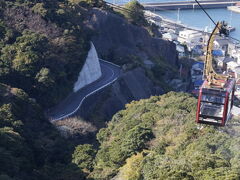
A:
(225, 112)
(199, 105)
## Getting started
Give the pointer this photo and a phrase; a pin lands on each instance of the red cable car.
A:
(215, 98)
(215, 104)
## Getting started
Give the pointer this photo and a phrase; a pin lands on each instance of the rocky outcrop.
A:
(115, 39)
(132, 85)
(91, 70)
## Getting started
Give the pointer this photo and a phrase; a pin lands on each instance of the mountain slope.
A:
(42, 47)
(30, 146)
(170, 145)
(121, 42)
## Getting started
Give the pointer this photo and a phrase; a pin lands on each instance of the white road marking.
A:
(69, 114)
(109, 63)
(111, 71)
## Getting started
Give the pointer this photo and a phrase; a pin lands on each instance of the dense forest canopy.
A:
(42, 49)
(30, 147)
(37, 59)
(43, 46)
(158, 138)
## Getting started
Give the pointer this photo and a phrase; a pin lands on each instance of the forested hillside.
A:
(30, 147)
(158, 138)
(43, 46)
(42, 50)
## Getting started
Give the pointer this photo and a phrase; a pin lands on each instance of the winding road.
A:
(70, 105)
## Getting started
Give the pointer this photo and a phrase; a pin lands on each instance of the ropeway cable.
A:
(212, 19)
(128, 10)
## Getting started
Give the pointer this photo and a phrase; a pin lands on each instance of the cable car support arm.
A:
(213, 78)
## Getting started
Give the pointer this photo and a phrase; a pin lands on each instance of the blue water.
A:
(197, 18)
(143, 1)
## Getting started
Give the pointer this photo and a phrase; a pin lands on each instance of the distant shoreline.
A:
(174, 23)
(234, 8)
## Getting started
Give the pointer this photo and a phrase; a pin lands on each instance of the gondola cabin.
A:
(215, 104)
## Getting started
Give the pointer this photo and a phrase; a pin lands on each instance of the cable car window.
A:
(230, 102)
(212, 110)
(213, 99)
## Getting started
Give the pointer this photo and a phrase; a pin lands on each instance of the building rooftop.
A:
(198, 65)
(222, 42)
(232, 65)
(188, 31)
(198, 82)
(217, 52)
(237, 70)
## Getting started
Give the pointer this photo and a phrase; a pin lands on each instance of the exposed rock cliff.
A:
(119, 41)
(132, 85)
(115, 39)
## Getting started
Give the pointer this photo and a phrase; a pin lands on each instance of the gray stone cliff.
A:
(132, 85)
(115, 39)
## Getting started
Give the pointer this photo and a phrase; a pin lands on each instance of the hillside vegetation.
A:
(42, 50)
(43, 47)
(158, 138)
(30, 147)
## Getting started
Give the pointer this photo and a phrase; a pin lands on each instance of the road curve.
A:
(70, 105)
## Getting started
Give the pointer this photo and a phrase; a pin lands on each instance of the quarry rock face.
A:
(115, 38)
(91, 70)
(132, 85)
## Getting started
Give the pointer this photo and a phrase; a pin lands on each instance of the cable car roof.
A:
(228, 87)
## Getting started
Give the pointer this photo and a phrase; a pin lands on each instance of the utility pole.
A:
(178, 18)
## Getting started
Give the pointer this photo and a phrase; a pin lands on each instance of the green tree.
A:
(136, 138)
(44, 77)
(5, 177)
(132, 169)
(135, 13)
(26, 54)
(40, 9)
(91, 3)
(83, 156)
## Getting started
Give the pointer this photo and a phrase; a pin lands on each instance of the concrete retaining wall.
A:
(91, 70)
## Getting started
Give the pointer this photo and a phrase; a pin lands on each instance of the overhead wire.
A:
(146, 16)
(212, 19)
(205, 12)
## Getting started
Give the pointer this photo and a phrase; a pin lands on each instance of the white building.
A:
(237, 89)
(156, 22)
(222, 61)
(220, 44)
(236, 55)
(180, 49)
(237, 72)
(190, 36)
(231, 48)
(232, 65)
(169, 36)
(224, 44)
